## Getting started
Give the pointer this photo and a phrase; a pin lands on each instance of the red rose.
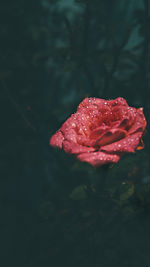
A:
(101, 131)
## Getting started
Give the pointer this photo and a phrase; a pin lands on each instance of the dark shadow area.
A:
(56, 211)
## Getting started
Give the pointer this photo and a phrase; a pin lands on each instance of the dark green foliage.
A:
(56, 211)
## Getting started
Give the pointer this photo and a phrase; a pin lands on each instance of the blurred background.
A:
(56, 211)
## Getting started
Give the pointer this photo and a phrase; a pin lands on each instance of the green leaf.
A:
(86, 214)
(128, 193)
(79, 193)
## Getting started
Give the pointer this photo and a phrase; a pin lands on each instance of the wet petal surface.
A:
(127, 144)
(73, 148)
(57, 140)
(97, 159)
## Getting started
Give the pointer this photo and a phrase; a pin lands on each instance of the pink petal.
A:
(140, 122)
(99, 131)
(120, 101)
(127, 144)
(76, 125)
(57, 140)
(68, 129)
(98, 158)
(124, 124)
(111, 136)
(91, 101)
(74, 148)
(85, 141)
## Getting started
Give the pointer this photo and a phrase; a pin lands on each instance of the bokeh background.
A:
(54, 210)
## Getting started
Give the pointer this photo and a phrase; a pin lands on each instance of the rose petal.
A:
(90, 102)
(98, 158)
(111, 136)
(120, 101)
(124, 124)
(57, 139)
(73, 148)
(127, 144)
(68, 129)
(140, 122)
(99, 131)
(85, 141)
